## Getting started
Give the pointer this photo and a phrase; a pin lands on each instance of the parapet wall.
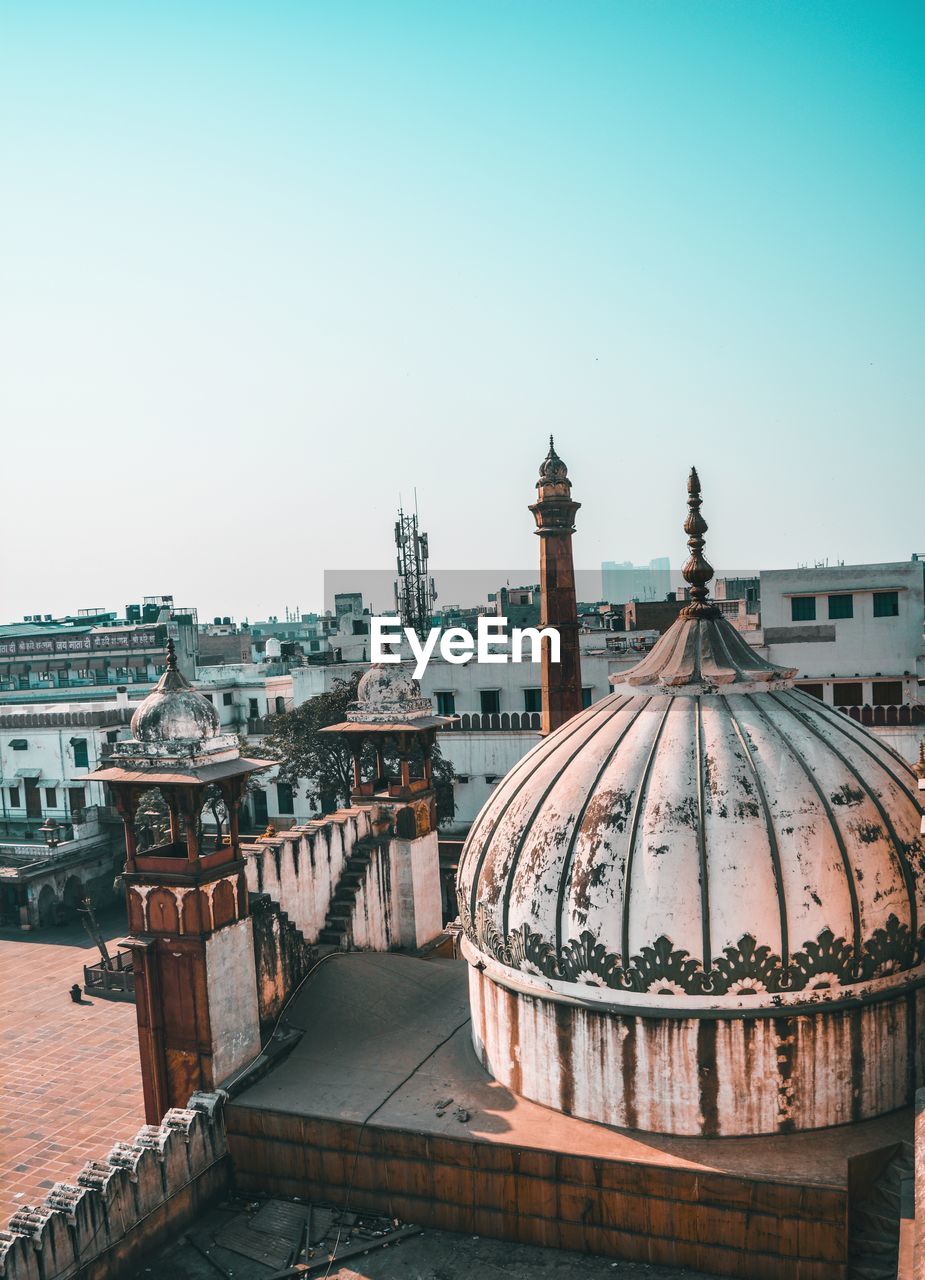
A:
(301, 868)
(127, 1205)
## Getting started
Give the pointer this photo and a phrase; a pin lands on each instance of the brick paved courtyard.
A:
(70, 1082)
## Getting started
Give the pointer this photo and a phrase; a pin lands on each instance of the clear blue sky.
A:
(265, 266)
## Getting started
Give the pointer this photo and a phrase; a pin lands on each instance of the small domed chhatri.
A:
(387, 692)
(174, 711)
(698, 907)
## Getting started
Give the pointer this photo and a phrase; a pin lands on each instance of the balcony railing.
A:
(895, 715)
(497, 721)
(114, 983)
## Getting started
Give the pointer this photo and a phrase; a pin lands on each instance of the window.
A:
(803, 609)
(280, 704)
(252, 710)
(51, 797)
(886, 604)
(587, 697)
(446, 703)
(112, 735)
(81, 755)
(208, 697)
(848, 695)
(491, 778)
(227, 699)
(14, 798)
(841, 606)
(888, 693)
(490, 701)
(462, 778)
(815, 690)
(284, 798)
(76, 799)
(533, 700)
(19, 744)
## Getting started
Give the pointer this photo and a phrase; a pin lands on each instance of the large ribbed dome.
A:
(174, 711)
(705, 830)
(701, 845)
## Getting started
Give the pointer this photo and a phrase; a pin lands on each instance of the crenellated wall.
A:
(125, 1206)
(301, 868)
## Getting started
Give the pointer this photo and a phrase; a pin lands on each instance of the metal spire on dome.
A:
(173, 677)
(697, 571)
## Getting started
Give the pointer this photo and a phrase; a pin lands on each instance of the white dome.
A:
(174, 711)
(386, 693)
(695, 844)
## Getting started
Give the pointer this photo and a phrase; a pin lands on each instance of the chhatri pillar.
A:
(192, 944)
(554, 512)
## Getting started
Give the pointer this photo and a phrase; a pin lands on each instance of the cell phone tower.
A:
(414, 589)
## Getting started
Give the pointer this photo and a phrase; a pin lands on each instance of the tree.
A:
(305, 754)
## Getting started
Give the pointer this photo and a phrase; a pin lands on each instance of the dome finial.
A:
(697, 571)
(171, 655)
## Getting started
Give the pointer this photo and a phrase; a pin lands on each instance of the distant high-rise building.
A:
(627, 581)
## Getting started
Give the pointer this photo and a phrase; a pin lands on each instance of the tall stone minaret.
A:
(554, 511)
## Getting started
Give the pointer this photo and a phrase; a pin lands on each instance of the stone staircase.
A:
(337, 923)
(873, 1244)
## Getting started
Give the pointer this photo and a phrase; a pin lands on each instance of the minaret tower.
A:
(554, 511)
(192, 943)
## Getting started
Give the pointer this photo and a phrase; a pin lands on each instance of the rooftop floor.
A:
(70, 1078)
(387, 1038)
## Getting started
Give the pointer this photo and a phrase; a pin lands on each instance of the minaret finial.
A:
(697, 571)
(920, 767)
(552, 469)
(171, 655)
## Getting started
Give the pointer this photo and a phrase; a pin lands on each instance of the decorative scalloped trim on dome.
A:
(663, 969)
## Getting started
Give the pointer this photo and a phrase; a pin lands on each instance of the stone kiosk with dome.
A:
(193, 946)
(697, 908)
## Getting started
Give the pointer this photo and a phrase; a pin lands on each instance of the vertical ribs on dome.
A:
(697, 571)
(528, 829)
(532, 759)
(857, 940)
(565, 879)
(702, 840)
(894, 840)
(634, 829)
(772, 834)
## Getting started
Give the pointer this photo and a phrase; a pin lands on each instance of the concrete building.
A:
(95, 653)
(856, 634)
(59, 840)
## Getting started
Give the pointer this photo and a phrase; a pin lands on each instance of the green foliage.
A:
(305, 754)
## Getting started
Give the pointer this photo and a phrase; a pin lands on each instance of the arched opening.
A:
(213, 821)
(153, 827)
(73, 896)
(47, 907)
(280, 704)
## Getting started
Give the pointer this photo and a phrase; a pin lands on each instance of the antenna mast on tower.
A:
(414, 589)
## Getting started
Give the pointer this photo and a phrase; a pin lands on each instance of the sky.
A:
(269, 267)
